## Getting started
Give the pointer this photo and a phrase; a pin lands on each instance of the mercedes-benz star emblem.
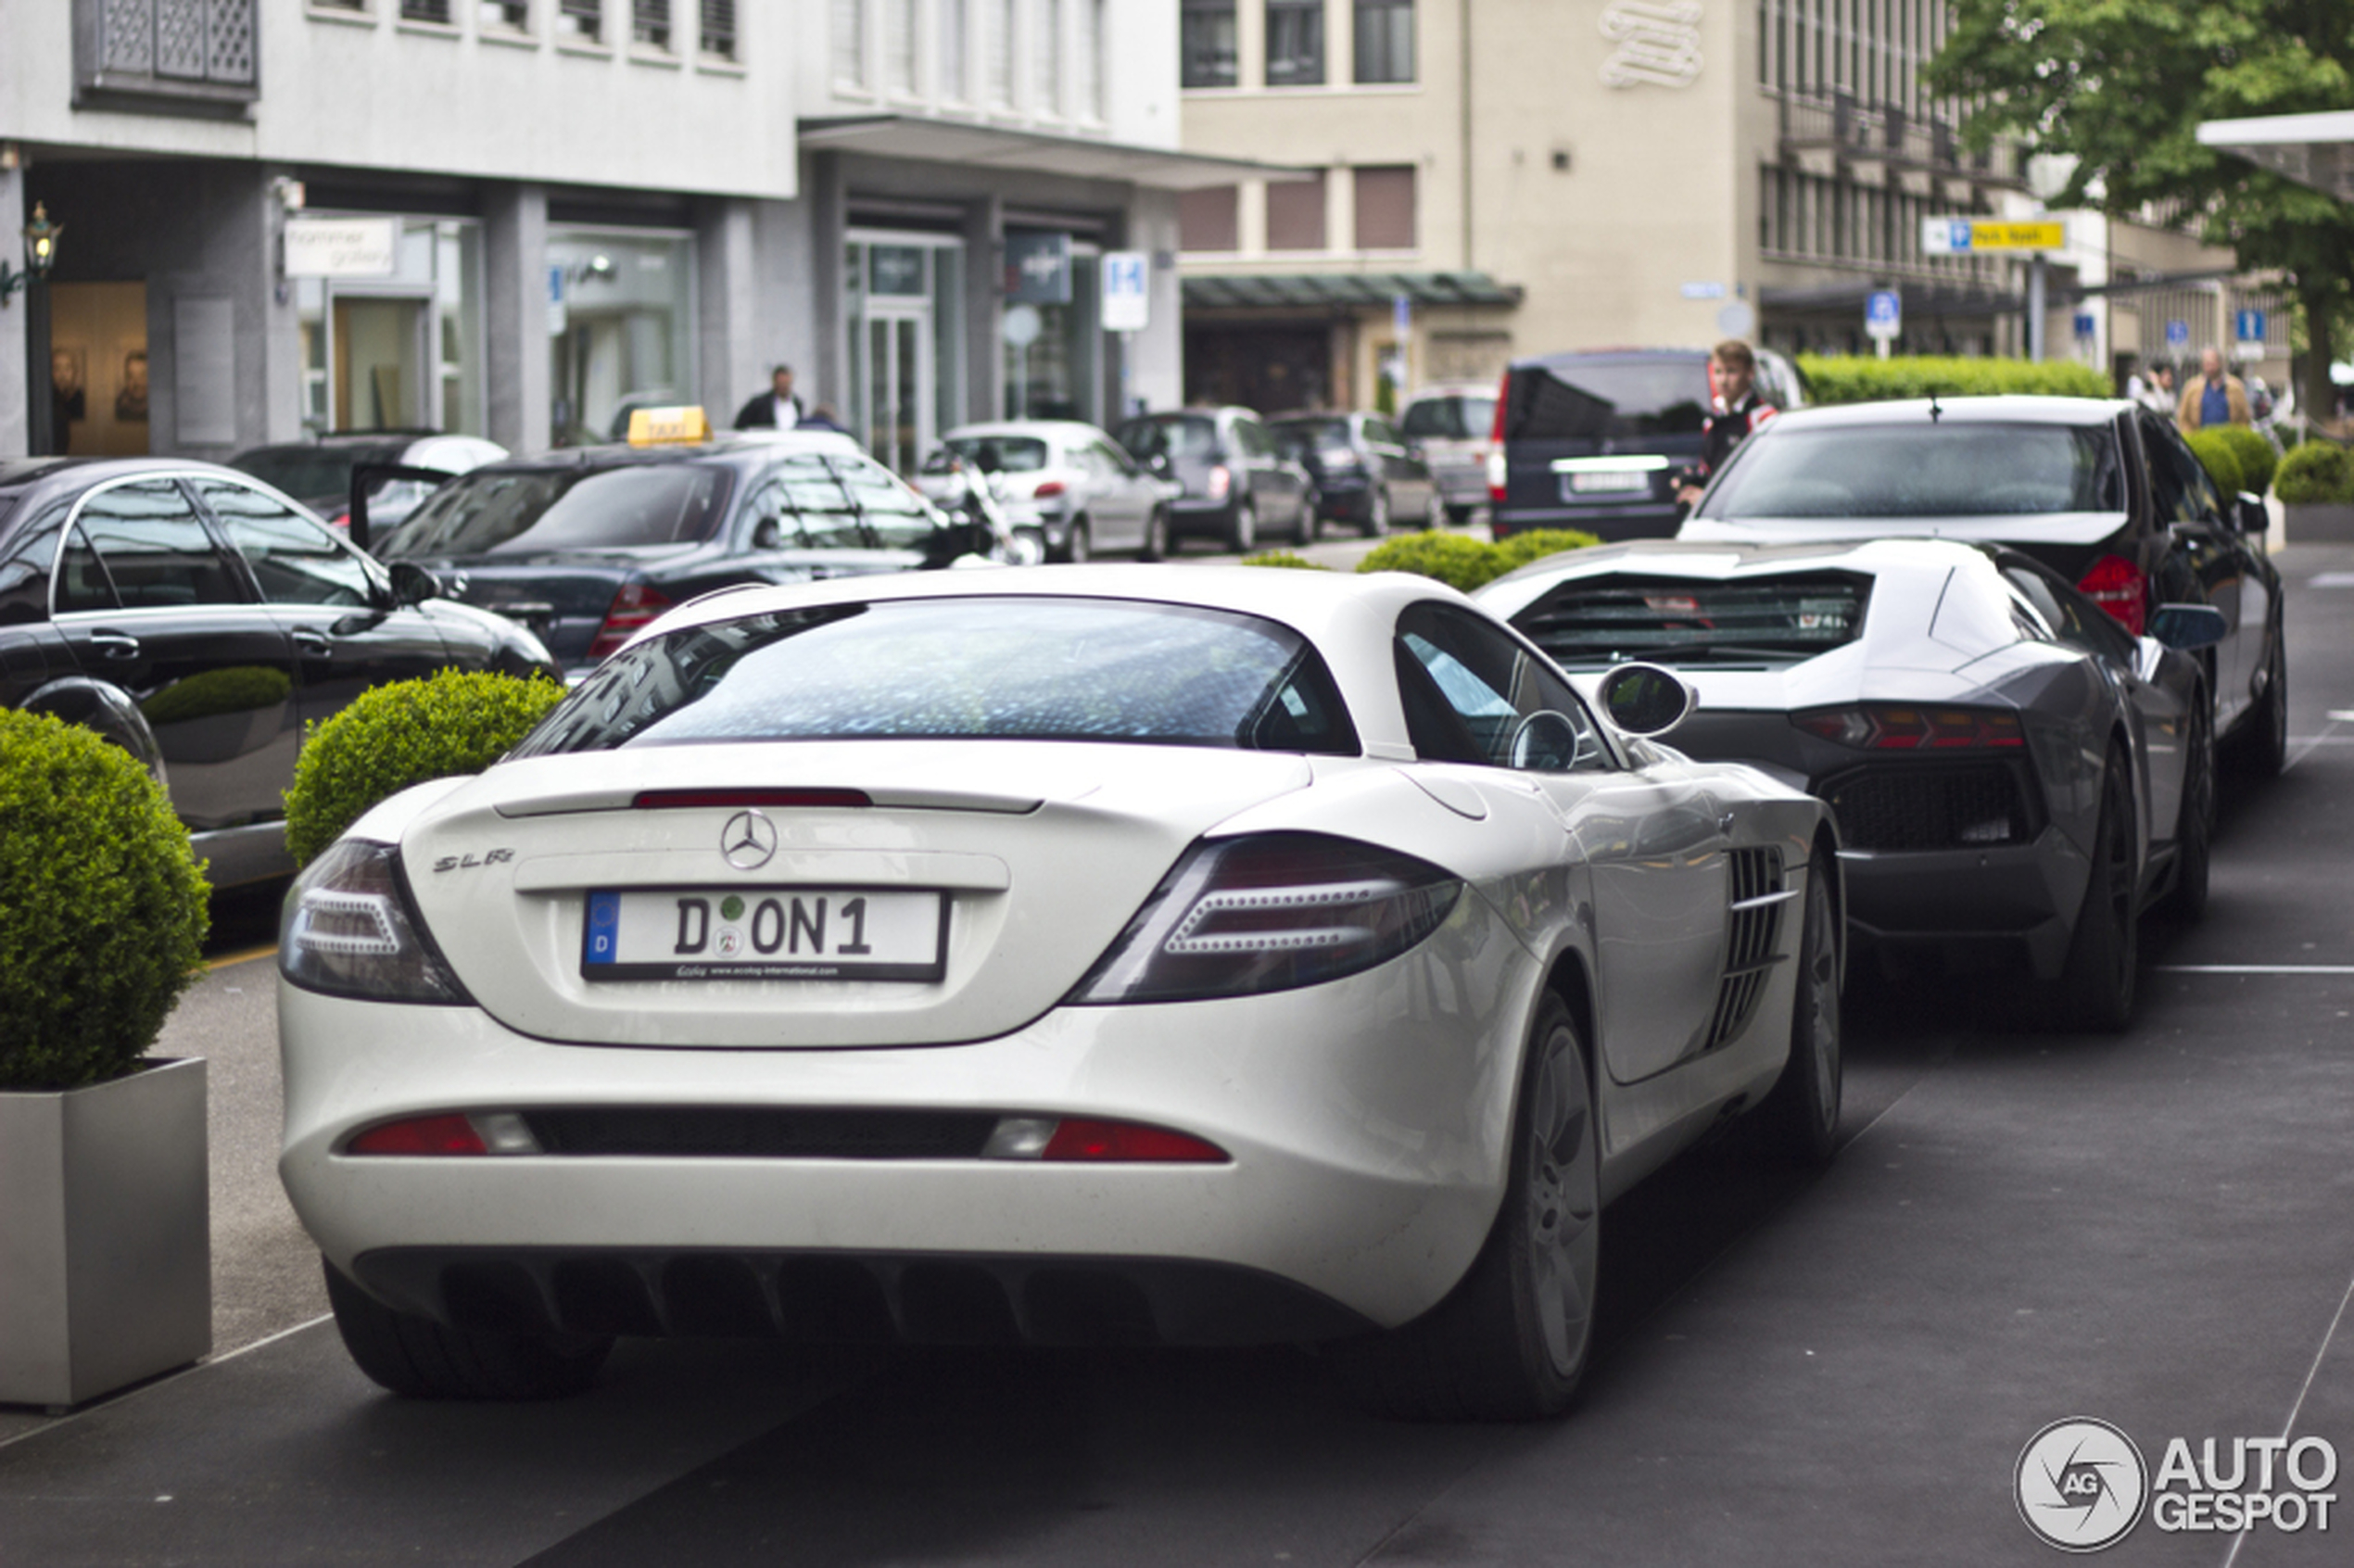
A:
(748, 841)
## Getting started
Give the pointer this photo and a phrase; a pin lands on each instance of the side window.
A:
(896, 517)
(767, 521)
(153, 549)
(2072, 622)
(811, 494)
(25, 566)
(294, 559)
(1473, 694)
(1253, 438)
(1379, 433)
(1116, 460)
(2180, 482)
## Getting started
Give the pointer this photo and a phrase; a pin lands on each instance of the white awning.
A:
(2313, 149)
(1080, 157)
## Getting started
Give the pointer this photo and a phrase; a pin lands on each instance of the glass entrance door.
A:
(381, 353)
(899, 390)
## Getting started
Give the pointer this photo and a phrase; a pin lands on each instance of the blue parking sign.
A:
(2178, 333)
(1883, 313)
(1960, 231)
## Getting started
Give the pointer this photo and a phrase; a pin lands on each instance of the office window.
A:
(1210, 220)
(1296, 214)
(1087, 85)
(1385, 207)
(956, 44)
(1294, 42)
(425, 11)
(1207, 43)
(649, 23)
(1384, 40)
(850, 42)
(718, 32)
(1001, 53)
(503, 16)
(1046, 60)
(899, 45)
(581, 20)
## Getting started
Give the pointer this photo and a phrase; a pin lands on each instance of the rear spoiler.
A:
(363, 478)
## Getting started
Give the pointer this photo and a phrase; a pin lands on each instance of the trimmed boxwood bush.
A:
(102, 906)
(1452, 559)
(2317, 472)
(2222, 464)
(2257, 458)
(1855, 378)
(1519, 549)
(405, 733)
(1284, 558)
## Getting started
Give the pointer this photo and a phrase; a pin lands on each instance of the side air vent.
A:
(1751, 941)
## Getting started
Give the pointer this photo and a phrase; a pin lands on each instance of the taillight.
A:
(1270, 912)
(349, 929)
(1084, 1140)
(635, 608)
(1047, 489)
(1896, 727)
(1221, 479)
(496, 1133)
(1496, 441)
(2119, 587)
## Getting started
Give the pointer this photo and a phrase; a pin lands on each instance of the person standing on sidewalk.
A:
(1732, 372)
(2215, 399)
(776, 408)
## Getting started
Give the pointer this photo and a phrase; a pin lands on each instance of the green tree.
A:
(2123, 85)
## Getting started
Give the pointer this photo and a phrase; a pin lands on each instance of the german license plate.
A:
(1604, 481)
(764, 933)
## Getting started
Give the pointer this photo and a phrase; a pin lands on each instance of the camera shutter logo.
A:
(748, 841)
(2080, 1485)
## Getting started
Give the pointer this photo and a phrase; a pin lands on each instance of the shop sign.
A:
(1038, 269)
(342, 247)
(896, 271)
(1961, 236)
(1127, 306)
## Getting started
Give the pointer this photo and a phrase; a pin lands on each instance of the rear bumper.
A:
(1191, 515)
(2016, 903)
(1647, 521)
(1465, 486)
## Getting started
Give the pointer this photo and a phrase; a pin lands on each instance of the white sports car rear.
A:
(1132, 955)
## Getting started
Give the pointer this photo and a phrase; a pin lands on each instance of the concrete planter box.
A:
(106, 1245)
(2319, 523)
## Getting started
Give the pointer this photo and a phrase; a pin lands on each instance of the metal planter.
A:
(106, 1245)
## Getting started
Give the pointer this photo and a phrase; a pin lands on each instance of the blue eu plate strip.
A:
(604, 928)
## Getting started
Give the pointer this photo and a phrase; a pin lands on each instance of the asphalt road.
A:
(2156, 1230)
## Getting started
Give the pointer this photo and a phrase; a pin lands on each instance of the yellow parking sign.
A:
(1960, 236)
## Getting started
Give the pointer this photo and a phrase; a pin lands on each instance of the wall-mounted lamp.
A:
(40, 253)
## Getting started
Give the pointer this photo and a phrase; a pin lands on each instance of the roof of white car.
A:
(1068, 429)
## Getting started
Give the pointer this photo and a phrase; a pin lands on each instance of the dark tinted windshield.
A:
(1922, 470)
(1049, 669)
(995, 454)
(313, 473)
(514, 511)
(1605, 620)
(1183, 435)
(1450, 419)
(1314, 433)
(1586, 400)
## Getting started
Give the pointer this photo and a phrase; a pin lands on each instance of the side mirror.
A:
(2251, 515)
(2187, 627)
(1645, 700)
(413, 584)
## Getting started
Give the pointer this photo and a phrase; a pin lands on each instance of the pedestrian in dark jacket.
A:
(1732, 371)
(776, 408)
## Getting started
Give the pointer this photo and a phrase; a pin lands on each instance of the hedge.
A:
(1519, 549)
(405, 733)
(2317, 472)
(1284, 558)
(2222, 462)
(1852, 378)
(2257, 458)
(102, 906)
(1453, 558)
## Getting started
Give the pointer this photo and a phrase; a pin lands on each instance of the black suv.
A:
(1599, 440)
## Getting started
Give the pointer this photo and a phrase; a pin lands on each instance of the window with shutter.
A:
(649, 23)
(719, 35)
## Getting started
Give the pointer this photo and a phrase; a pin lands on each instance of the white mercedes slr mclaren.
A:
(1123, 954)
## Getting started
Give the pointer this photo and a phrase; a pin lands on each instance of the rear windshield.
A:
(1589, 399)
(1606, 620)
(1450, 419)
(995, 454)
(508, 511)
(1923, 470)
(990, 669)
(1183, 436)
(313, 473)
(1321, 435)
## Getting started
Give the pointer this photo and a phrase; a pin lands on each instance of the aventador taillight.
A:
(1271, 912)
(1903, 727)
(2119, 587)
(347, 929)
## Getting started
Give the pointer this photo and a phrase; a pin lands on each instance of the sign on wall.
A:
(1127, 306)
(342, 247)
(1038, 269)
(1658, 44)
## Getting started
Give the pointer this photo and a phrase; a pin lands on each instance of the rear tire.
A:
(1077, 548)
(1242, 532)
(423, 1360)
(2096, 988)
(1798, 1123)
(1315, 523)
(1156, 545)
(1514, 1338)
(1376, 512)
(1435, 513)
(1459, 515)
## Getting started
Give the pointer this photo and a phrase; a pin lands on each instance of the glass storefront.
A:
(621, 319)
(1058, 374)
(402, 353)
(905, 305)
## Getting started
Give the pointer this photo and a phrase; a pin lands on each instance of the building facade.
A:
(522, 218)
(1501, 177)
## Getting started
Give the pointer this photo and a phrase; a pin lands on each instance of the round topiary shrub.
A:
(2257, 460)
(2317, 473)
(1284, 558)
(1519, 549)
(2222, 464)
(1458, 562)
(405, 733)
(102, 906)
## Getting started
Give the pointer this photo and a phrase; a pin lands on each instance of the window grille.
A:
(649, 23)
(719, 30)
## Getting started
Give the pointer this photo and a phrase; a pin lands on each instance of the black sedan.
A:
(588, 544)
(199, 619)
(2016, 776)
(1361, 470)
(2106, 493)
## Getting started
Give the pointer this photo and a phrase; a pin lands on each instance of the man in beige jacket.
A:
(2215, 398)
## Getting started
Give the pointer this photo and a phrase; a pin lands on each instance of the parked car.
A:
(1072, 486)
(1600, 440)
(1451, 425)
(1235, 486)
(588, 544)
(1359, 471)
(200, 619)
(317, 472)
(2102, 491)
(1126, 955)
(2016, 776)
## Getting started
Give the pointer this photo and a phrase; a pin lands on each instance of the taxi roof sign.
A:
(654, 427)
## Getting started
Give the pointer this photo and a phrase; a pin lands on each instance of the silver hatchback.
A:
(1065, 483)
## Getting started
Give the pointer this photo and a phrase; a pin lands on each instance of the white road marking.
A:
(2294, 1410)
(2252, 969)
(2331, 579)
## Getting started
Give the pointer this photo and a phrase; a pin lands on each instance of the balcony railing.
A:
(1889, 135)
(175, 54)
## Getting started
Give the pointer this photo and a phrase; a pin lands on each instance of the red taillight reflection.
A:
(1047, 489)
(688, 799)
(2119, 587)
(1112, 1141)
(420, 1136)
(1497, 476)
(633, 608)
(1889, 726)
